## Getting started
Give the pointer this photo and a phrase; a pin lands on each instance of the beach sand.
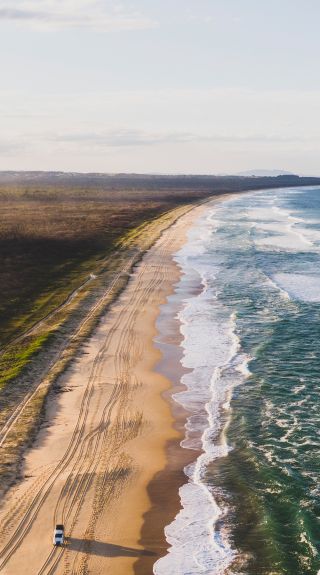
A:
(107, 461)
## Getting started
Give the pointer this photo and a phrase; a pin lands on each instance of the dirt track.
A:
(104, 439)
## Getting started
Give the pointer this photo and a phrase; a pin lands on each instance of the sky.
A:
(160, 86)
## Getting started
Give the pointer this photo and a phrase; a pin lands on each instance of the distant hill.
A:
(265, 173)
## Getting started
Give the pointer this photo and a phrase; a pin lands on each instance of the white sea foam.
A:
(310, 234)
(277, 286)
(282, 229)
(299, 286)
(298, 388)
(211, 352)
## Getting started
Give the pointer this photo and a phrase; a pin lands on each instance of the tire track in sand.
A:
(93, 462)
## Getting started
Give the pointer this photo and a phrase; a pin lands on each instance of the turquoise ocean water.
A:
(251, 502)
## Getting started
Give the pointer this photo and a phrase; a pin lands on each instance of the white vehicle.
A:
(58, 535)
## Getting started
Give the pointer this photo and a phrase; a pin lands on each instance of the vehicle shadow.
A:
(102, 549)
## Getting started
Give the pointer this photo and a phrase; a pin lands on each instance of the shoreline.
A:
(123, 490)
(164, 488)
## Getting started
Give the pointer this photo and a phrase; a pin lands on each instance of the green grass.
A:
(16, 359)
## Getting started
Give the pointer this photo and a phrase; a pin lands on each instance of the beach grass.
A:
(16, 358)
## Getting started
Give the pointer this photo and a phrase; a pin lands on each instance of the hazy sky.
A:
(203, 86)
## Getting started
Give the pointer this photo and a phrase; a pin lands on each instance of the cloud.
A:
(160, 130)
(16, 14)
(124, 137)
(134, 137)
(9, 147)
(196, 14)
(96, 14)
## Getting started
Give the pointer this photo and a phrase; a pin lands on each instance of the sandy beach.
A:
(107, 461)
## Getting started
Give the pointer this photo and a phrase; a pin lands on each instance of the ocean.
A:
(251, 349)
